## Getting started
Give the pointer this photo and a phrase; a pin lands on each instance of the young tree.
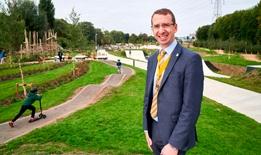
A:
(107, 38)
(258, 33)
(143, 38)
(202, 32)
(88, 31)
(117, 36)
(28, 11)
(63, 32)
(11, 26)
(47, 12)
(133, 38)
(126, 37)
(100, 36)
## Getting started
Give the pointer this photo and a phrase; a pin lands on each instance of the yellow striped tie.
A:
(162, 64)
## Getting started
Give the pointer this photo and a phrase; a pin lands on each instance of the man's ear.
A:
(176, 28)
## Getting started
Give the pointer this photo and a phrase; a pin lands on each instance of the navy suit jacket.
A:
(179, 98)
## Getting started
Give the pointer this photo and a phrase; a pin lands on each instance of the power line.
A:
(218, 8)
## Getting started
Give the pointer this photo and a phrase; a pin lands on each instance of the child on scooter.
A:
(30, 99)
(118, 64)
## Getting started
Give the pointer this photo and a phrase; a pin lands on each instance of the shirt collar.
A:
(171, 47)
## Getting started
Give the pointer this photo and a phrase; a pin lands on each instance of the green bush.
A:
(230, 45)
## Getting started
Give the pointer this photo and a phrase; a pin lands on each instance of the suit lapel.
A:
(173, 59)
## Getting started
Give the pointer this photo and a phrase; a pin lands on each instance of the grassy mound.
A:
(11, 73)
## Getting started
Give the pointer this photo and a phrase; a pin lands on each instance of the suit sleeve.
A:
(146, 100)
(192, 96)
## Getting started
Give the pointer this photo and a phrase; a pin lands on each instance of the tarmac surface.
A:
(85, 97)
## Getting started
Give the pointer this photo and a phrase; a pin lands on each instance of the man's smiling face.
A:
(163, 29)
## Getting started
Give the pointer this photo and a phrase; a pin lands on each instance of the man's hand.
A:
(169, 150)
(148, 139)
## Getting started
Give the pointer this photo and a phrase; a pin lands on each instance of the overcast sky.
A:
(133, 16)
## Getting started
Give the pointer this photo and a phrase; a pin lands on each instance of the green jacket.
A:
(31, 97)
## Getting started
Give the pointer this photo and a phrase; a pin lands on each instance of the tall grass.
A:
(9, 86)
(203, 50)
(231, 59)
(28, 69)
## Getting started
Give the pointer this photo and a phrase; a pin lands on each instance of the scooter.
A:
(119, 70)
(41, 115)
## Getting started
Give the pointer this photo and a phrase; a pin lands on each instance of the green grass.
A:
(149, 52)
(223, 131)
(8, 65)
(203, 50)
(118, 53)
(232, 59)
(62, 93)
(114, 126)
(250, 81)
(10, 85)
(26, 69)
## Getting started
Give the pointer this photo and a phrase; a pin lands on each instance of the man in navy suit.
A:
(173, 130)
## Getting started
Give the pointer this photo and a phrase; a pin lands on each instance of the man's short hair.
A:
(164, 11)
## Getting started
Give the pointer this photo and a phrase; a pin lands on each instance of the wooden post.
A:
(50, 40)
(45, 37)
(26, 41)
(22, 85)
(37, 41)
(22, 77)
(30, 37)
(55, 41)
(41, 47)
(30, 42)
(34, 43)
(10, 61)
(21, 51)
(17, 89)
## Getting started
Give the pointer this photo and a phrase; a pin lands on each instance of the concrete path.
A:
(85, 97)
(241, 100)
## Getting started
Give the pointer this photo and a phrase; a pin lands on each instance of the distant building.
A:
(101, 54)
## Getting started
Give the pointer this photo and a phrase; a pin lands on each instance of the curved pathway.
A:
(85, 97)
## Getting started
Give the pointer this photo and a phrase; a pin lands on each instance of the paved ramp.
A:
(209, 72)
(135, 54)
